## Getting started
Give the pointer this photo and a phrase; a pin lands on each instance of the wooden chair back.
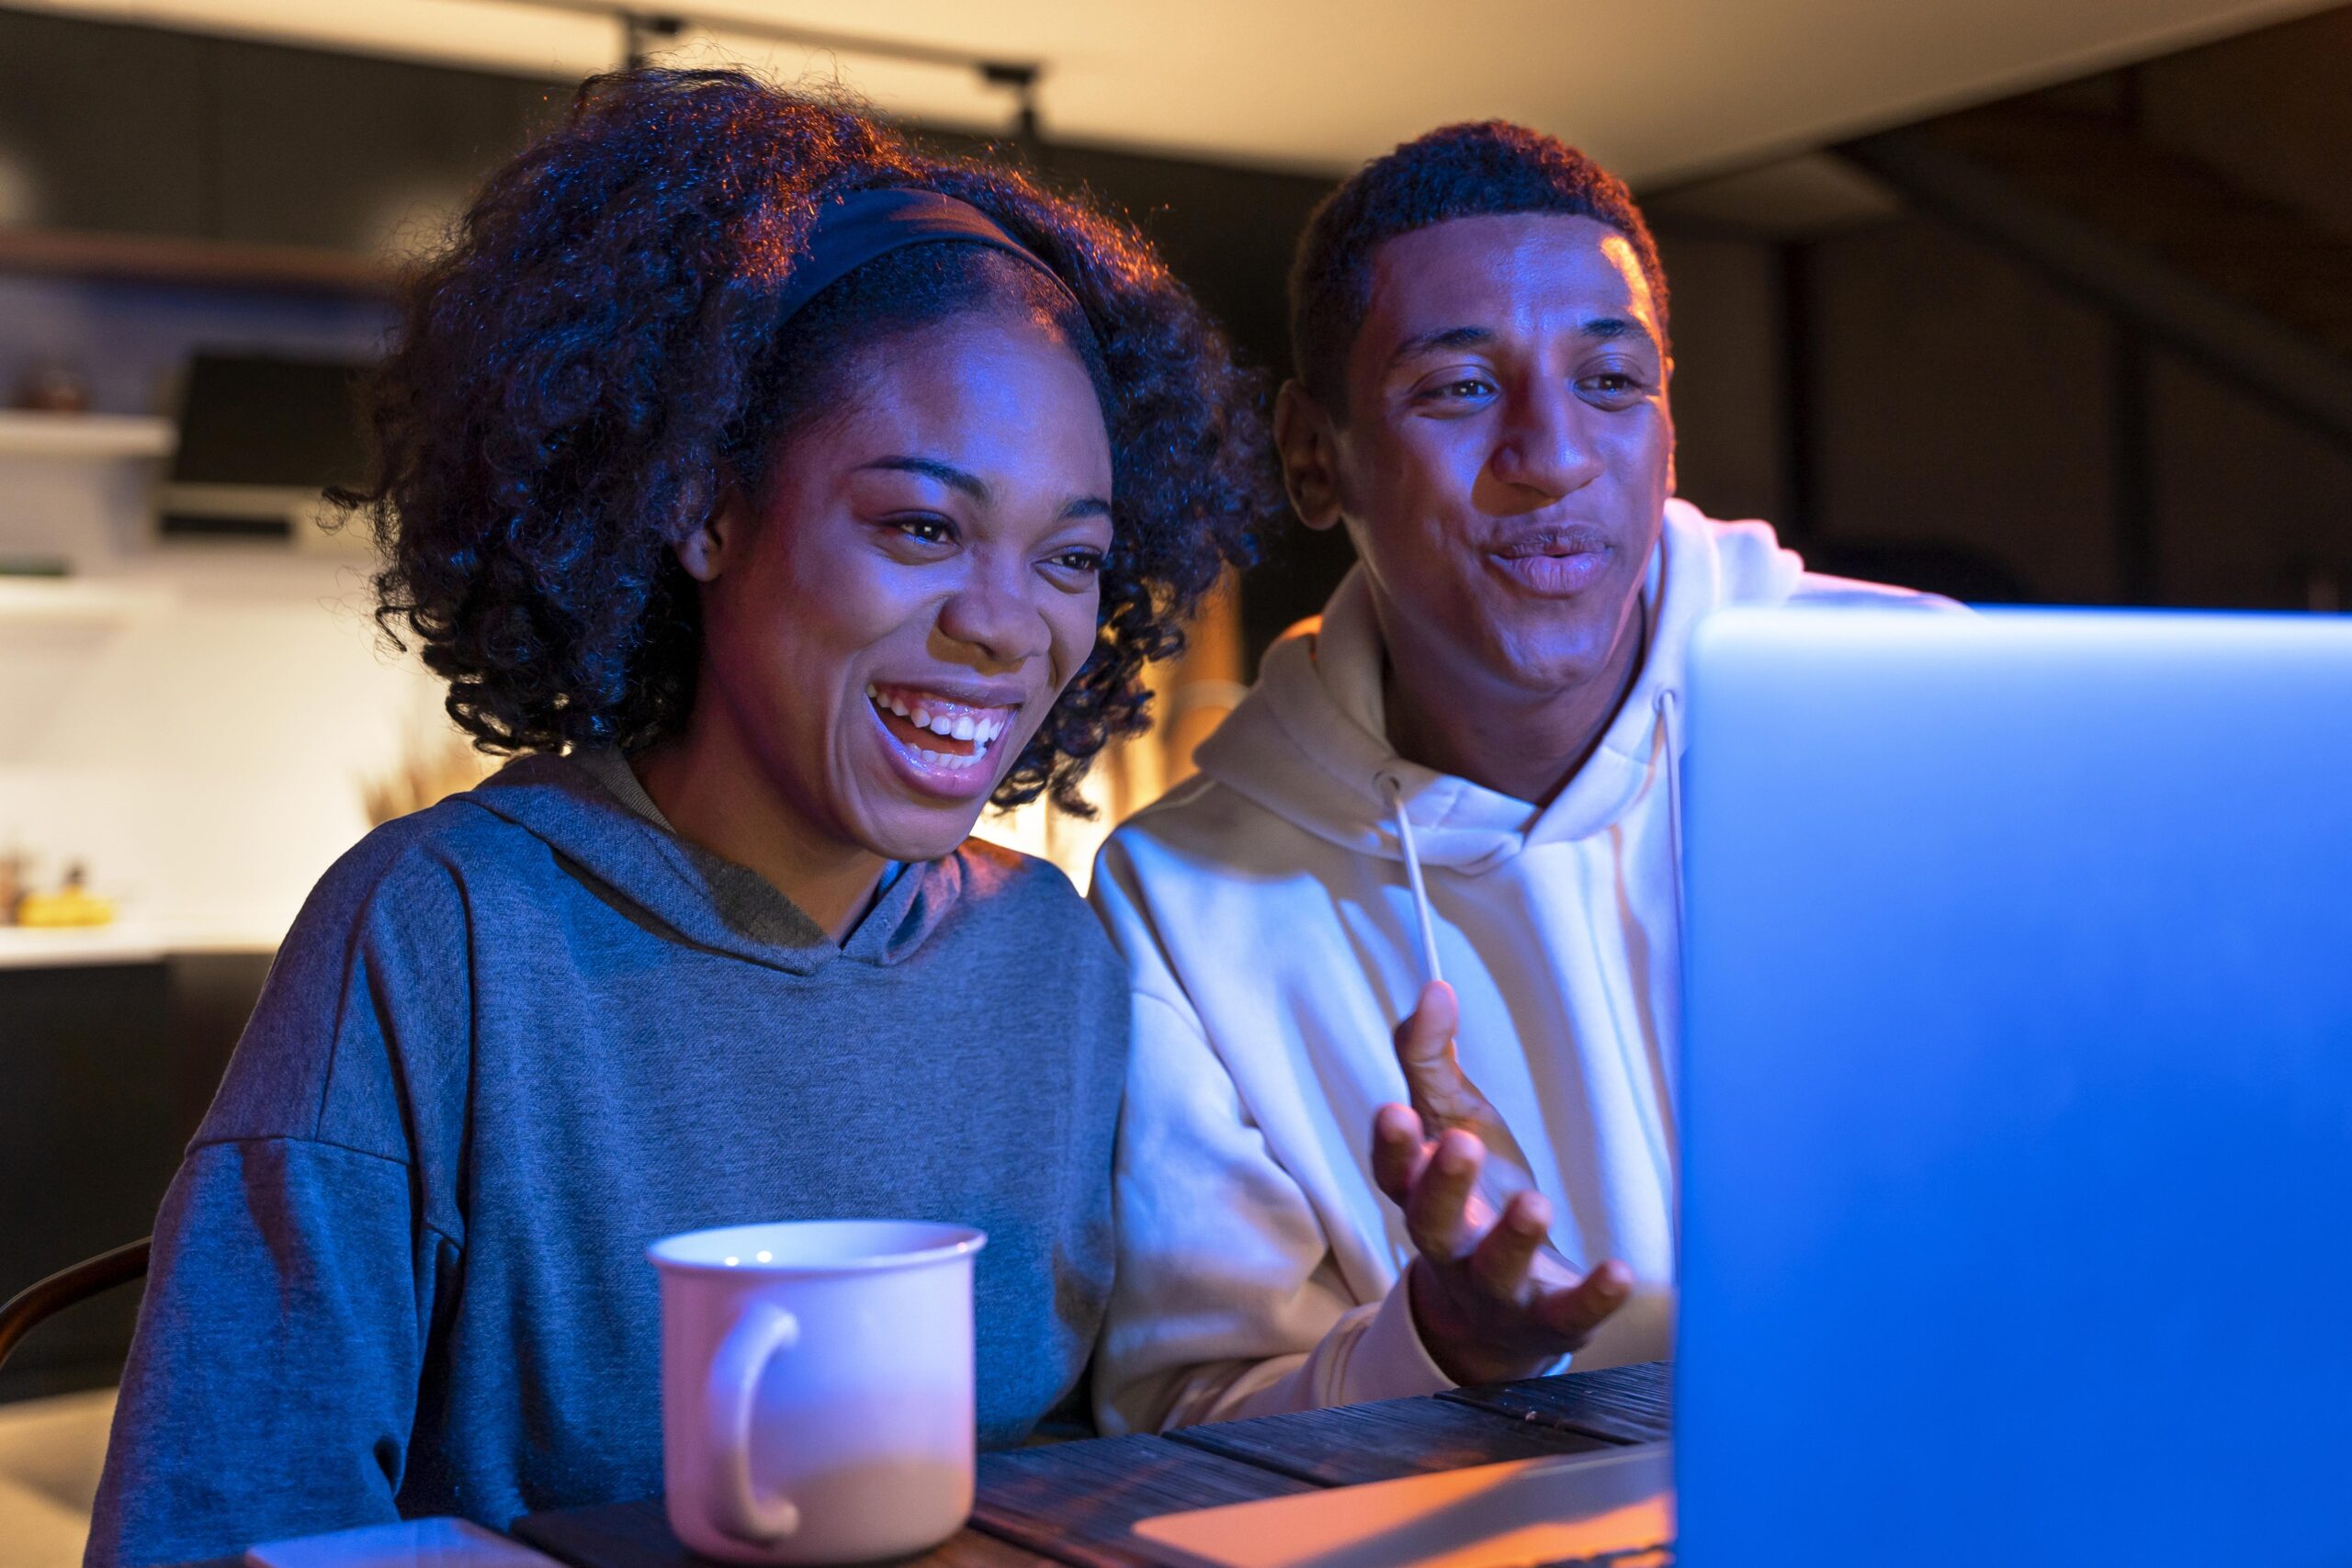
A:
(46, 1298)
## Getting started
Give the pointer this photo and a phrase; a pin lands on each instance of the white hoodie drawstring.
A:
(1667, 706)
(1394, 789)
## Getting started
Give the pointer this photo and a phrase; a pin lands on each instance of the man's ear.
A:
(1304, 440)
(704, 552)
(1672, 484)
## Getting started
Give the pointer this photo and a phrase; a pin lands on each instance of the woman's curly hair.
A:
(582, 370)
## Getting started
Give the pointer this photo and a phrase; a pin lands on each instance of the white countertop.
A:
(84, 435)
(125, 942)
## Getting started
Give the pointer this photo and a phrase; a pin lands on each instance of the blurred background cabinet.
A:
(139, 131)
(106, 1070)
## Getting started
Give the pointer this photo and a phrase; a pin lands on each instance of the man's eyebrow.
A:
(948, 474)
(1607, 327)
(1441, 338)
(1601, 328)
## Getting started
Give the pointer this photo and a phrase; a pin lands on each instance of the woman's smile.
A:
(942, 742)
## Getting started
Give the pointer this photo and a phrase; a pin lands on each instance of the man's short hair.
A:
(1488, 168)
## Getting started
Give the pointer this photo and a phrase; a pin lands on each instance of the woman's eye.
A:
(1088, 561)
(926, 530)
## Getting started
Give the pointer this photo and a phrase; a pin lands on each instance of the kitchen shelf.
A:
(159, 258)
(88, 435)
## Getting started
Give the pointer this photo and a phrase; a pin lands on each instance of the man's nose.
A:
(992, 613)
(1544, 450)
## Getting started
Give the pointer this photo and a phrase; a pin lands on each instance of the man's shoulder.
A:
(1750, 565)
(1204, 821)
(1203, 857)
(1816, 590)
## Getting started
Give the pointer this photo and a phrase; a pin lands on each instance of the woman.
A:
(785, 495)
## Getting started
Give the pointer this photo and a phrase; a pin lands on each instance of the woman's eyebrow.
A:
(968, 483)
(948, 474)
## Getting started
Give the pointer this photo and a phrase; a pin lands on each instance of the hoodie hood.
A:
(697, 897)
(1310, 741)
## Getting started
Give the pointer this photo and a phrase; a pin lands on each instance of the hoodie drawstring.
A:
(1667, 706)
(1395, 790)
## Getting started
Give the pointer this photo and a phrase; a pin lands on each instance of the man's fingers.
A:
(1398, 1153)
(1501, 1262)
(1442, 1092)
(1424, 1040)
(1574, 1314)
(1434, 1209)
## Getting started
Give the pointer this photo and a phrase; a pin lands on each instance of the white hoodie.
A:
(1267, 913)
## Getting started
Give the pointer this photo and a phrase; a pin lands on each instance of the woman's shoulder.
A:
(993, 872)
(418, 870)
(370, 986)
(452, 840)
(1037, 895)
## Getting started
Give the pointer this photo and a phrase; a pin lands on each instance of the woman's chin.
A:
(904, 831)
(920, 804)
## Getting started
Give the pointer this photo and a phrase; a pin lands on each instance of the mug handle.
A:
(763, 1332)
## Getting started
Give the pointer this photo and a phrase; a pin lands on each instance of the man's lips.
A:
(1551, 539)
(1565, 561)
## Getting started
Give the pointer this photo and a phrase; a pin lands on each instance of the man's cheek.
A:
(1435, 458)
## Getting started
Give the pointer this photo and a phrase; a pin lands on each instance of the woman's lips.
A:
(941, 744)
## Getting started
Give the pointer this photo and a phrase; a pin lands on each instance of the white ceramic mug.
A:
(817, 1388)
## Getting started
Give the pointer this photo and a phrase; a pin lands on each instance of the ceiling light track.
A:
(645, 29)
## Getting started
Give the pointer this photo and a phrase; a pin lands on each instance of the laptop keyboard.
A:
(1631, 1556)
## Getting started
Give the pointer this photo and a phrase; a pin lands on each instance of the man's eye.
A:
(1615, 386)
(1459, 389)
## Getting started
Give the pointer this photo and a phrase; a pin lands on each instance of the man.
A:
(1479, 322)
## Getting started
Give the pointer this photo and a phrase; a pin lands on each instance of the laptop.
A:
(2017, 1106)
(2016, 1117)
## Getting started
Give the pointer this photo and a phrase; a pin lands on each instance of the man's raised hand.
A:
(1491, 1298)
(1444, 1098)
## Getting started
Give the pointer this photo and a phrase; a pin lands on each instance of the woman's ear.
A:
(704, 552)
(1302, 439)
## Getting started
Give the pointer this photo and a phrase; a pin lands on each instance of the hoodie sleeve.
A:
(1228, 1301)
(300, 1249)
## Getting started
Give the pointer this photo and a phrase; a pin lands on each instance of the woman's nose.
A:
(992, 615)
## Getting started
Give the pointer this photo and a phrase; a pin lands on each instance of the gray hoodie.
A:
(509, 1041)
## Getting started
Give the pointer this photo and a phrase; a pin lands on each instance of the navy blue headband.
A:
(870, 223)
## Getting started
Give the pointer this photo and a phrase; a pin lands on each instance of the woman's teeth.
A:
(977, 730)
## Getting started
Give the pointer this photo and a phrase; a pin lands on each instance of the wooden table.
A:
(1072, 1504)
